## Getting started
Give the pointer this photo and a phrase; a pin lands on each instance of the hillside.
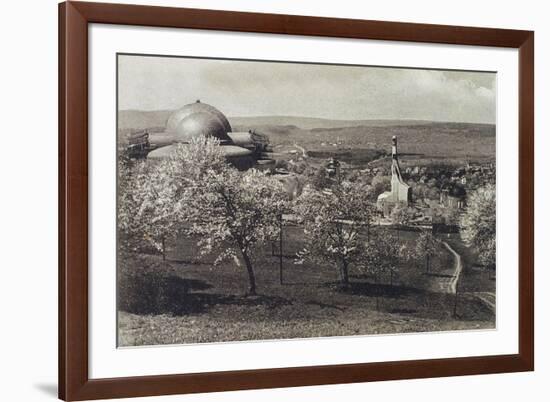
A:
(418, 140)
(137, 119)
(309, 123)
(427, 140)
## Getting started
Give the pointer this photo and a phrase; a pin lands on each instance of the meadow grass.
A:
(189, 300)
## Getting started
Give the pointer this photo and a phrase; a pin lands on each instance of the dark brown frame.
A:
(74, 17)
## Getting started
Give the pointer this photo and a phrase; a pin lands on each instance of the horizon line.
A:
(321, 118)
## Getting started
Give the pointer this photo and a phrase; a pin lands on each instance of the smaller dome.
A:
(232, 151)
(161, 153)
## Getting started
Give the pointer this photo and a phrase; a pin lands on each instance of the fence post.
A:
(456, 298)
(281, 249)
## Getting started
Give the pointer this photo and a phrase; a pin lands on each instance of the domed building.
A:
(173, 123)
(242, 149)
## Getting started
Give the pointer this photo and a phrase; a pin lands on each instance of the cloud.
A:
(249, 88)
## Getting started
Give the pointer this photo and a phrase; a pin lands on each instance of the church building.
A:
(401, 192)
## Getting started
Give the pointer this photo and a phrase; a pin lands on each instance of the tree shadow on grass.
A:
(189, 261)
(402, 311)
(438, 275)
(154, 293)
(324, 305)
(415, 154)
(373, 289)
(199, 303)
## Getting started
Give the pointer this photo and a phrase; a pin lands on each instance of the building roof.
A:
(229, 151)
(179, 115)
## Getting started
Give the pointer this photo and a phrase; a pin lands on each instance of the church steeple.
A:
(395, 171)
(401, 192)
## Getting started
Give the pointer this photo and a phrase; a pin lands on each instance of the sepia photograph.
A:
(273, 200)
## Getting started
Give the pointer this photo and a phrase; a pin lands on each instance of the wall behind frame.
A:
(28, 286)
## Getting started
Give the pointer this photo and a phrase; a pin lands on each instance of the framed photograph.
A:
(259, 200)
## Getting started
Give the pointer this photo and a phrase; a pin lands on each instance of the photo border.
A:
(74, 381)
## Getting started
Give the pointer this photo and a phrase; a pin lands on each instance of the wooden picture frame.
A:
(74, 381)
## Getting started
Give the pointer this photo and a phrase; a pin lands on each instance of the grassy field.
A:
(186, 300)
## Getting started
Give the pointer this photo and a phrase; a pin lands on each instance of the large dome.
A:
(201, 124)
(197, 119)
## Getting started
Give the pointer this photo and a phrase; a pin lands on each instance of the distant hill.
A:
(139, 119)
(420, 139)
(308, 123)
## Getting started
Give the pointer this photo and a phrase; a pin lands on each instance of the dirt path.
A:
(488, 298)
(450, 287)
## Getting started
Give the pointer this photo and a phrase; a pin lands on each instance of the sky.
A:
(254, 88)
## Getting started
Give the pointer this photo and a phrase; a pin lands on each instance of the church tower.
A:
(399, 188)
(401, 192)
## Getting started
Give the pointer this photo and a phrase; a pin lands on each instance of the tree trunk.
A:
(427, 263)
(368, 232)
(250, 271)
(376, 293)
(163, 248)
(391, 277)
(455, 315)
(344, 270)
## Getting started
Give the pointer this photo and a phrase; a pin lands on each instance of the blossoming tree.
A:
(334, 225)
(478, 224)
(145, 211)
(426, 247)
(236, 212)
